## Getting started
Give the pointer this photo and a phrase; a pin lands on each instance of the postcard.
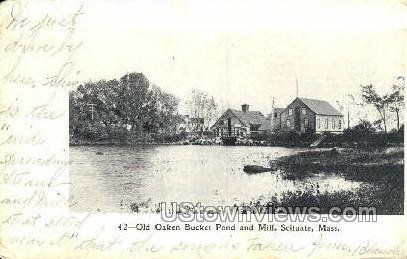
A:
(202, 129)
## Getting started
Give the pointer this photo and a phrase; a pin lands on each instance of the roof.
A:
(249, 117)
(266, 124)
(197, 120)
(320, 107)
(278, 110)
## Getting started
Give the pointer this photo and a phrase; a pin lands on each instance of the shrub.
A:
(359, 132)
(168, 138)
(282, 138)
(208, 133)
(94, 131)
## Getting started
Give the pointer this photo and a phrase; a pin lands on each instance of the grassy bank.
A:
(380, 171)
(131, 139)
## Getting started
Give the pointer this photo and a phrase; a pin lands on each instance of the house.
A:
(238, 122)
(197, 124)
(311, 115)
(272, 122)
(189, 124)
(182, 123)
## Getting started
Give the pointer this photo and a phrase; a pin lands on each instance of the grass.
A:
(380, 171)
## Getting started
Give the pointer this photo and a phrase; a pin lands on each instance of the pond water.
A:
(212, 175)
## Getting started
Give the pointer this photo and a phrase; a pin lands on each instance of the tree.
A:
(381, 103)
(163, 109)
(350, 106)
(212, 111)
(361, 131)
(201, 105)
(133, 94)
(396, 99)
(108, 109)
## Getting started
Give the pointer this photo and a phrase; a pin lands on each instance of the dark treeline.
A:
(363, 134)
(120, 110)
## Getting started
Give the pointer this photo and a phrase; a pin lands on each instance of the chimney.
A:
(245, 107)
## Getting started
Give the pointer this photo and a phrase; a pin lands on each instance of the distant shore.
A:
(214, 143)
(349, 139)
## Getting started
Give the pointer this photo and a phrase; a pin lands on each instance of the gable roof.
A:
(266, 124)
(197, 120)
(320, 107)
(249, 117)
(278, 110)
(246, 118)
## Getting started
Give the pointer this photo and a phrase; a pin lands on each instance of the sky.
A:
(248, 51)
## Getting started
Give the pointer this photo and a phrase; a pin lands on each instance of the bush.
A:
(94, 131)
(396, 136)
(169, 138)
(364, 134)
(359, 132)
(208, 133)
(285, 138)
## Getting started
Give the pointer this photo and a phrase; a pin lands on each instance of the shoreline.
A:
(329, 145)
(379, 170)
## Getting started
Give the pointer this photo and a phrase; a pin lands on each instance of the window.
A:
(333, 123)
(326, 123)
(319, 123)
(303, 111)
(288, 124)
(305, 123)
(290, 112)
(275, 115)
(340, 123)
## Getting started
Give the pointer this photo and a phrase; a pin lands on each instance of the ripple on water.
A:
(211, 175)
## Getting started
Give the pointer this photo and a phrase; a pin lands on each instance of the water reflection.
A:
(212, 175)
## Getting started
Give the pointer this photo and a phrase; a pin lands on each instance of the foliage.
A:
(396, 99)
(364, 128)
(380, 171)
(365, 134)
(169, 138)
(201, 105)
(392, 101)
(285, 138)
(381, 103)
(120, 109)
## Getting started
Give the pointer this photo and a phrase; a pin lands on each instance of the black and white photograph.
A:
(202, 129)
(253, 120)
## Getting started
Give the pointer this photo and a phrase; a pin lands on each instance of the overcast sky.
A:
(248, 51)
